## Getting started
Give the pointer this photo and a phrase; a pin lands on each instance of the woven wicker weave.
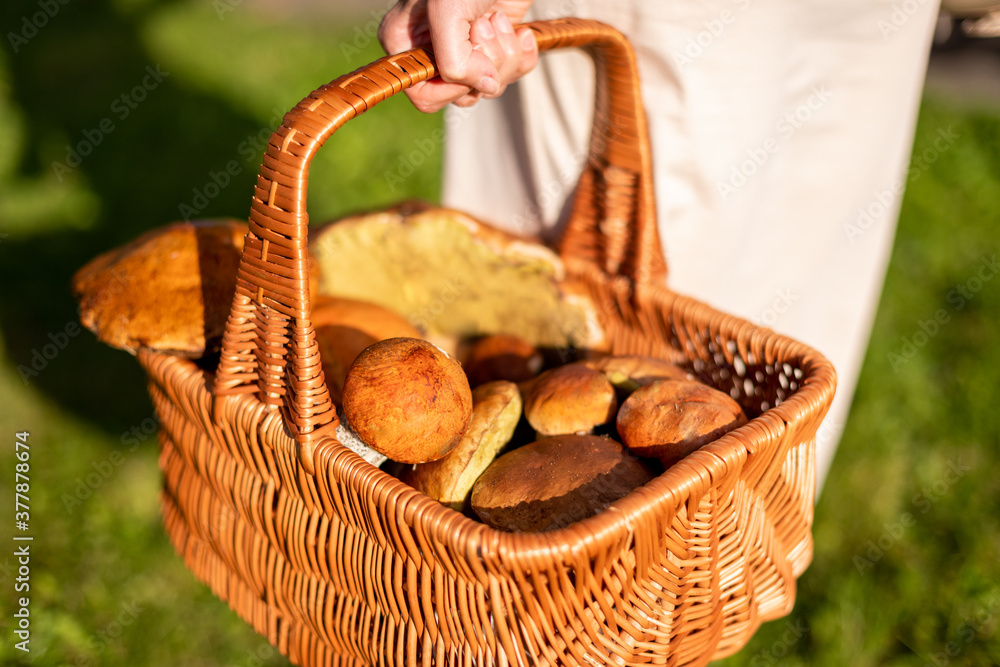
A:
(336, 562)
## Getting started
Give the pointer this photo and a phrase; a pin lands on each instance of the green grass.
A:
(106, 587)
(907, 561)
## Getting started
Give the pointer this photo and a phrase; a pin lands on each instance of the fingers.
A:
(491, 37)
(499, 56)
(529, 52)
(403, 27)
(455, 37)
(434, 95)
(494, 37)
(512, 53)
(477, 51)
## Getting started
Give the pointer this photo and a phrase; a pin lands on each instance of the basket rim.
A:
(716, 462)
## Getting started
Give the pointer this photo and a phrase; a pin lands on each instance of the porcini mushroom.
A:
(555, 481)
(496, 409)
(670, 419)
(569, 399)
(407, 399)
(169, 290)
(450, 274)
(502, 357)
(345, 327)
(628, 372)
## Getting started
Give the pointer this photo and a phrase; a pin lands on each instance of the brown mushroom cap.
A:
(407, 399)
(502, 357)
(631, 371)
(554, 482)
(668, 420)
(345, 327)
(569, 399)
(496, 409)
(169, 290)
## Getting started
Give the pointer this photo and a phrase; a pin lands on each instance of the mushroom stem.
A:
(348, 438)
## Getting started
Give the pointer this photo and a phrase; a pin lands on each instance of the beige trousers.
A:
(780, 131)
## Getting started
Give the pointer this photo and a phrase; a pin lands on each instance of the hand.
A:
(476, 49)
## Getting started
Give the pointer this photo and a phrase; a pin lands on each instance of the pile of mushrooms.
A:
(494, 425)
(526, 452)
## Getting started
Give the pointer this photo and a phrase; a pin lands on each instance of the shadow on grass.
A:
(142, 143)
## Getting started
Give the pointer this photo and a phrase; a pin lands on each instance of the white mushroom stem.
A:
(348, 438)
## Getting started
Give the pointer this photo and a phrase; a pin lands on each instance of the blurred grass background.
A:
(907, 529)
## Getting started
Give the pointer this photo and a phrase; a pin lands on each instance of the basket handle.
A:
(269, 345)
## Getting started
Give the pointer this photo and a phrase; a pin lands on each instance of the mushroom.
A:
(502, 357)
(628, 372)
(496, 409)
(569, 399)
(668, 420)
(345, 327)
(168, 290)
(407, 399)
(449, 273)
(555, 481)
(348, 438)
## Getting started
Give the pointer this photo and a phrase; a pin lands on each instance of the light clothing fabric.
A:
(780, 131)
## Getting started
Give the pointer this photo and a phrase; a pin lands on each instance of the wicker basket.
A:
(336, 562)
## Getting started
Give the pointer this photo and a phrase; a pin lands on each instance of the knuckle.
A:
(510, 48)
(426, 107)
(452, 72)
